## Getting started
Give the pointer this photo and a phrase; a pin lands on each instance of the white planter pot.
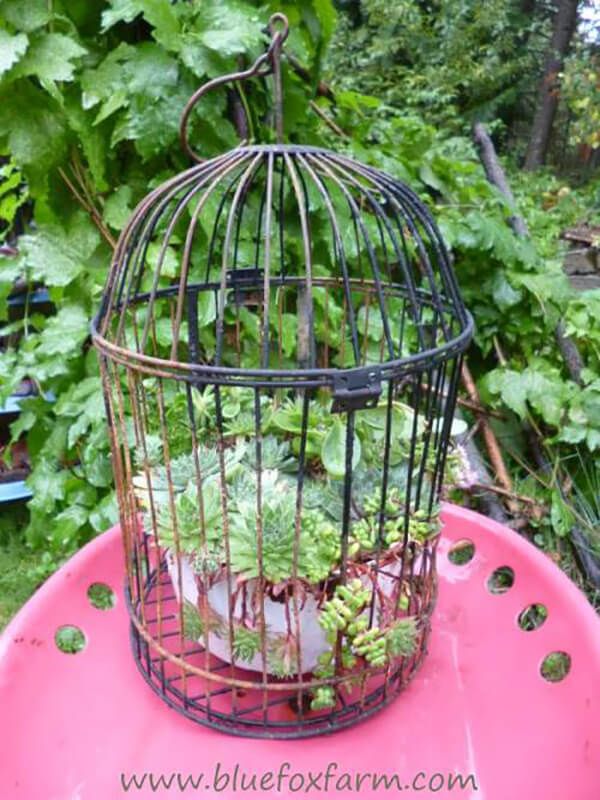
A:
(312, 637)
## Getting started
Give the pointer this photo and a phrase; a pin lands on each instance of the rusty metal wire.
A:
(256, 303)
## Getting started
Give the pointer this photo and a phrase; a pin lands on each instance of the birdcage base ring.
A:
(193, 680)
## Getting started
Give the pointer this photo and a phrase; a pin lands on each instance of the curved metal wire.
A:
(265, 64)
(351, 195)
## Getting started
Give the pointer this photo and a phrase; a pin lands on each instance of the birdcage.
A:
(280, 341)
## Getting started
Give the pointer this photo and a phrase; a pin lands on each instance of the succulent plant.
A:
(346, 614)
(186, 502)
(246, 643)
(318, 546)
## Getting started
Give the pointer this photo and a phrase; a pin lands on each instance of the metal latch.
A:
(247, 285)
(356, 389)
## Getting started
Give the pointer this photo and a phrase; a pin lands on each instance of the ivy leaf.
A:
(333, 450)
(170, 262)
(117, 209)
(546, 286)
(251, 324)
(289, 328)
(25, 16)
(152, 124)
(11, 49)
(93, 140)
(370, 321)
(105, 514)
(120, 11)
(508, 384)
(47, 485)
(503, 293)
(159, 13)
(164, 332)
(429, 178)
(53, 256)
(231, 29)
(150, 70)
(573, 434)
(65, 332)
(107, 79)
(593, 439)
(327, 16)
(560, 515)
(198, 58)
(50, 58)
(547, 393)
(67, 523)
(24, 422)
(34, 131)
(207, 309)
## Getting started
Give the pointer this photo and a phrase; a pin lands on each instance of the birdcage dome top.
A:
(235, 234)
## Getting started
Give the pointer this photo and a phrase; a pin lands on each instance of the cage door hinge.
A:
(356, 389)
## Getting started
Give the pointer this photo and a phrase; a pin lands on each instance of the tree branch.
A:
(491, 442)
(495, 175)
(91, 210)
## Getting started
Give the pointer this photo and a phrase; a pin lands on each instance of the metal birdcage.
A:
(280, 342)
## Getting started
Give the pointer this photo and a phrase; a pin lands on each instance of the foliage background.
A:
(91, 94)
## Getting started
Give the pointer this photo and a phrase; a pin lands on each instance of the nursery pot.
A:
(278, 614)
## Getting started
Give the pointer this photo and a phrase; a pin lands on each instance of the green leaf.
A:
(25, 421)
(108, 78)
(50, 57)
(67, 523)
(251, 324)
(47, 485)
(560, 515)
(159, 13)
(94, 141)
(509, 385)
(117, 209)
(105, 514)
(231, 29)
(572, 434)
(503, 293)
(198, 58)
(458, 427)
(327, 16)
(170, 260)
(120, 11)
(545, 390)
(207, 309)
(591, 405)
(65, 333)
(151, 71)
(429, 178)
(593, 439)
(370, 320)
(333, 450)
(25, 16)
(164, 332)
(11, 49)
(34, 131)
(289, 329)
(152, 124)
(54, 257)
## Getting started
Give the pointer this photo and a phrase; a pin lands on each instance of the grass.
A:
(17, 563)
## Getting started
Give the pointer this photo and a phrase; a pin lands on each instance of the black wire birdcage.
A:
(280, 342)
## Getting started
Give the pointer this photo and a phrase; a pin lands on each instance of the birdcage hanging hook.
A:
(269, 63)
